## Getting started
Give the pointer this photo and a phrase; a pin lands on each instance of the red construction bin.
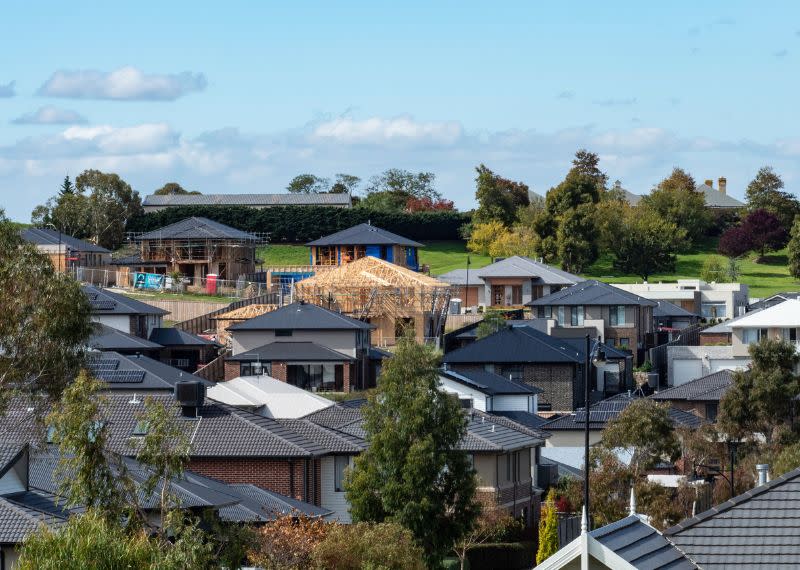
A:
(211, 283)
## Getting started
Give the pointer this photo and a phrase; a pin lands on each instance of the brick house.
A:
(553, 365)
(617, 317)
(305, 345)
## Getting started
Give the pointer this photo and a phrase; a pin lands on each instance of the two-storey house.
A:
(361, 241)
(619, 318)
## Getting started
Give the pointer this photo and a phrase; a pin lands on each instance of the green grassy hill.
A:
(764, 279)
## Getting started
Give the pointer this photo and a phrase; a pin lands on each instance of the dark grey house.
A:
(619, 318)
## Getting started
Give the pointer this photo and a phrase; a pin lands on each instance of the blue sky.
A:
(241, 96)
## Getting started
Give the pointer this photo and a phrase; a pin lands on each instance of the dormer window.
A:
(141, 428)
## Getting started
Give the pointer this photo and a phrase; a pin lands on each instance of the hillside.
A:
(764, 279)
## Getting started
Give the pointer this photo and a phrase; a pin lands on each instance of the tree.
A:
(676, 200)
(308, 184)
(165, 450)
(610, 482)
(67, 187)
(644, 242)
(713, 271)
(384, 546)
(406, 183)
(483, 235)
(67, 211)
(548, 531)
(88, 473)
(111, 203)
(413, 471)
(492, 322)
(428, 205)
(45, 325)
(576, 238)
(765, 192)
(644, 426)
(793, 250)
(174, 189)
(759, 231)
(345, 184)
(498, 198)
(760, 399)
(492, 525)
(517, 241)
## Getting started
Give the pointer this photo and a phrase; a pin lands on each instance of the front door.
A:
(498, 295)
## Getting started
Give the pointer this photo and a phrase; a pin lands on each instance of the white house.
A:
(709, 300)
(490, 392)
(781, 321)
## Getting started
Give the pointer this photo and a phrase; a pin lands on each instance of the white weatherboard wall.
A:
(686, 370)
(119, 322)
(464, 392)
(331, 498)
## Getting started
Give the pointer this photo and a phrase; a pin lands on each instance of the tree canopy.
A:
(498, 198)
(765, 192)
(676, 200)
(308, 184)
(413, 471)
(760, 231)
(174, 189)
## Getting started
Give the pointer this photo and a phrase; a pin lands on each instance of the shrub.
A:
(288, 543)
(386, 546)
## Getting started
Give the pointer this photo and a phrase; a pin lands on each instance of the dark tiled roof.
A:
(17, 521)
(667, 309)
(298, 316)
(709, 387)
(773, 300)
(758, 529)
(170, 336)
(471, 331)
(106, 302)
(591, 292)
(257, 504)
(108, 338)
(247, 200)
(137, 373)
(9, 453)
(338, 415)
(46, 236)
(365, 234)
(198, 228)
(515, 345)
(332, 440)
(292, 352)
(489, 383)
(641, 545)
(606, 410)
(518, 266)
(527, 419)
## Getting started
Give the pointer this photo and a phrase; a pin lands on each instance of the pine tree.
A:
(548, 531)
(413, 472)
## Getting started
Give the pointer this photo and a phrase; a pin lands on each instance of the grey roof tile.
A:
(365, 234)
(18, 521)
(137, 372)
(716, 199)
(248, 200)
(591, 292)
(300, 315)
(107, 302)
(756, 529)
(518, 266)
(108, 338)
(515, 345)
(46, 236)
(198, 228)
(489, 383)
(709, 387)
(666, 309)
(171, 336)
(641, 545)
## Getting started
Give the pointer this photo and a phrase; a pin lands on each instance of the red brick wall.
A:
(279, 371)
(348, 374)
(269, 474)
(707, 339)
(231, 370)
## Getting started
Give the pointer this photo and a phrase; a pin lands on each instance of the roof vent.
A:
(763, 473)
(492, 428)
(190, 395)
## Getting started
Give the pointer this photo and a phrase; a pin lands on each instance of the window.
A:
(283, 332)
(560, 317)
(255, 368)
(513, 371)
(516, 294)
(340, 464)
(498, 295)
(617, 315)
(750, 336)
(626, 342)
(576, 316)
(711, 411)
(546, 312)
(326, 255)
(713, 310)
(789, 335)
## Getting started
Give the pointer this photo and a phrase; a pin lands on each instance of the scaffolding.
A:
(387, 295)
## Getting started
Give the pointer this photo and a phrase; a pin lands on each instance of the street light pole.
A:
(587, 395)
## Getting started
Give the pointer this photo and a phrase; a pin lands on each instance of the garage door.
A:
(684, 370)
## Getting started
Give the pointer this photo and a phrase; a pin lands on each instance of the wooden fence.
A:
(180, 311)
(204, 322)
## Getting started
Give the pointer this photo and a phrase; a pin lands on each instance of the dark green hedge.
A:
(298, 224)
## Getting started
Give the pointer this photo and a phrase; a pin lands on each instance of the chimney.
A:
(709, 183)
(190, 395)
(763, 473)
(723, 183)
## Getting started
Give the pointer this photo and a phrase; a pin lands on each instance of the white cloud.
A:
(50, 115)
(376, 130)
(7, 90)
(125, 83)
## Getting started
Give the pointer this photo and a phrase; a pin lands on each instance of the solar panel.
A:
(103, 304)
(122, 376)
(103, 364)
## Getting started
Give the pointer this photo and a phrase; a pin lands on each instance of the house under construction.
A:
(391, 297)
(196, 247)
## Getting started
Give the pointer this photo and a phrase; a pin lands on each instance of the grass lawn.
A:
(770, 276)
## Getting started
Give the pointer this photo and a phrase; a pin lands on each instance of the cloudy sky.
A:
(241, 96)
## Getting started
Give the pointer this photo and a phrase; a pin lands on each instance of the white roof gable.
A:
(276, 399)
(786, 314)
